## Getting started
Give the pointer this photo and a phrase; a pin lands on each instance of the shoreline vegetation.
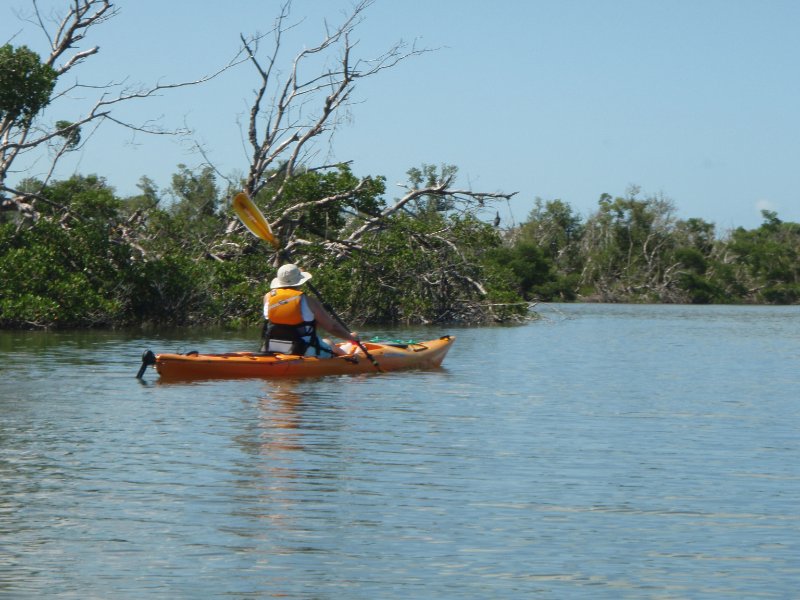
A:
(84, 258)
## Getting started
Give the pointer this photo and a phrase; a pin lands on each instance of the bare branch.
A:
(83, 15)
(287, 131)
(442, 190)
(76, 58)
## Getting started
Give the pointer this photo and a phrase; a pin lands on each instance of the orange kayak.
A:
(389, 357)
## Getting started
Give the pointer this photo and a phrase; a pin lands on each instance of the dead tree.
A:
(289, 112)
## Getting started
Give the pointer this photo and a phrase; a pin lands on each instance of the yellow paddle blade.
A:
(252, 218)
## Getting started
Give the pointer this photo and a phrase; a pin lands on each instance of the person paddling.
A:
(292, 317)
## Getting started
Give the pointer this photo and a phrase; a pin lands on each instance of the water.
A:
(602, 452)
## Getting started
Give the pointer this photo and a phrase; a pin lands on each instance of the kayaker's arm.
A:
(327, 322)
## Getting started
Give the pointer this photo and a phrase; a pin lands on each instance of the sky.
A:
(697, 101)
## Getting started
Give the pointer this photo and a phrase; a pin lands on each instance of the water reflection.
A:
(280, 419)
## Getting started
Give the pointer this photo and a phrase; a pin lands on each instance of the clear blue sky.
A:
(698, 100)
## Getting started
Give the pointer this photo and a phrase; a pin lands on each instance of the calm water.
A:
(602, 452)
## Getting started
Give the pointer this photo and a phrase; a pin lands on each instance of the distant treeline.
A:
(80, 256)
(635, 250)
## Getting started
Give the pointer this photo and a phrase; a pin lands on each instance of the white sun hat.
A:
(289, 276)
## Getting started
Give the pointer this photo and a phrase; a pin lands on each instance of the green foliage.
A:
(70, 133)
(431, 176)
(545, 255)
(528, 263)
(328, 220)
(48, 277)
(767, 259)
(555, 229)
(699, 289)
(195, 194)
(193, 216)
(695, 233)
(93, 259)
(429, 270)
(25, 83)
(89, 199)
(146, 201)
(166, 290)
(420, 267)
(75, 268)
(692, 260)
(781, 293)
(634, 250)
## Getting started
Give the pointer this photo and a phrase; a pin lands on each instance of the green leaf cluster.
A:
(26, 84)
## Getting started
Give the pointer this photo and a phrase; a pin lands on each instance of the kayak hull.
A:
(231, 365)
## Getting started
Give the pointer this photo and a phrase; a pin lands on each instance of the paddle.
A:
(252, 218)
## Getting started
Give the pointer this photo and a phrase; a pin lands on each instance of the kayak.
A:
(230, 365)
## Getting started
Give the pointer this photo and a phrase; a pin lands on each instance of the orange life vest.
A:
(284, 306)
(286, 322)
